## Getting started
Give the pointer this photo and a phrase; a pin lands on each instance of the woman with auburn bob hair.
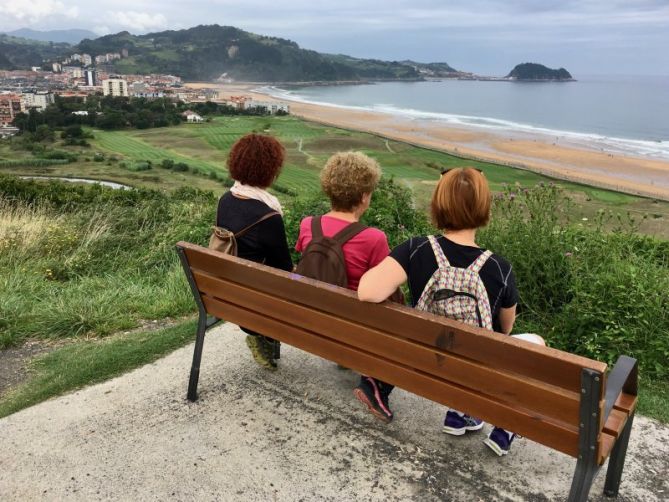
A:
(450, 275)
(255, 162)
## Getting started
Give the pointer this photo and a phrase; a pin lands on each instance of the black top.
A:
(265, 242)
(418, 261)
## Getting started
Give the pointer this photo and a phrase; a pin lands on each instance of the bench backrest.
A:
(532, 390)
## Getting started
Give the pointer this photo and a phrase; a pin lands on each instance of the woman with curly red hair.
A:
(255, 162)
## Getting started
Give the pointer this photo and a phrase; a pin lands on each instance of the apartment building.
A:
(115, 87)
(10, 106)
(38, 100)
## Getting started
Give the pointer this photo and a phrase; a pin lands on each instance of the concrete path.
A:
(297, 434)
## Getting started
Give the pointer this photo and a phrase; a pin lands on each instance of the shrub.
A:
(167, 164)
(180, 167)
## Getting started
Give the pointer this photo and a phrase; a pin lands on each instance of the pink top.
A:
(362, 252)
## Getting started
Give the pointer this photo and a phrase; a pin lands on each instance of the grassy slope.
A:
(204, 147)
(86, 362)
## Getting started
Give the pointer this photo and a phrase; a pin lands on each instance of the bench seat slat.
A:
(626, 403)
(547, 400)
(606, 443)
(551, 366)
(615, 423)
(532, 426)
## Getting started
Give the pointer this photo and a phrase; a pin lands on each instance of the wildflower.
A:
(567, 254)
(512, 196)
(584, 219)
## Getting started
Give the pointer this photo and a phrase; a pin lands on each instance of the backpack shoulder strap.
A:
(439, 254)
(348, 232)
(316, 228)
(265, 217)
(480, 261)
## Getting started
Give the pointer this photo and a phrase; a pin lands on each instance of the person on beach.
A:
(255, 162)
(348, 179)
(450, 275)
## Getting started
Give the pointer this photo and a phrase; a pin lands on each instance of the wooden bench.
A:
(566, 402)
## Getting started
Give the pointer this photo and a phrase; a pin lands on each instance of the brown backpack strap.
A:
(244, 230)
(316, 228)
(348, 232)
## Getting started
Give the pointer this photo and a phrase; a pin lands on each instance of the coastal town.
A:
(79, 76)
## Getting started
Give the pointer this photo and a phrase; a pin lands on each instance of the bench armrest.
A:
(623, 378)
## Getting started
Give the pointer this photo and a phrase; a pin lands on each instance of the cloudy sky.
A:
(485, 36)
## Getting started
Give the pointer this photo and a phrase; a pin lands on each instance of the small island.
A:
(538, 72)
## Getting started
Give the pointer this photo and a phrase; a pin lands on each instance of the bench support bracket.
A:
(589, 416)
(617, 460)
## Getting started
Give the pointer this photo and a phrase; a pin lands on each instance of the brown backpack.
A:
(323, 258)
(225, 241)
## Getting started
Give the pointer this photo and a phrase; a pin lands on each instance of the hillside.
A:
(73, 36)
(209, 52)
(534, 71)
(22, 53)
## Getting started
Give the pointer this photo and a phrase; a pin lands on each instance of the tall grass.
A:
(91, 261)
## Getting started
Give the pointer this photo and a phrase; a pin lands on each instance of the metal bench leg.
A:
(617, 460)
(583, 478)
(197, 357)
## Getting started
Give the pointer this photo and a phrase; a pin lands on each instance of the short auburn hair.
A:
(347, 176)
(256, 160)
(461, 200)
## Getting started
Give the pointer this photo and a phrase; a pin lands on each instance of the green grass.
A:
(87, 362)
(654, 400)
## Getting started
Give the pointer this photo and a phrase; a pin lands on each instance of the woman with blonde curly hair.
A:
(349, 179)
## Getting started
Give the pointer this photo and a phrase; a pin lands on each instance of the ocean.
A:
(628, 115)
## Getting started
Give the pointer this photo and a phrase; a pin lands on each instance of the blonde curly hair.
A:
(347, 176)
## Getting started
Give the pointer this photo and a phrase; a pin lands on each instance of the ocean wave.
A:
(610, 144)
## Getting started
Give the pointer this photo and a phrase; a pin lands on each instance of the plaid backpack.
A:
(457, 293)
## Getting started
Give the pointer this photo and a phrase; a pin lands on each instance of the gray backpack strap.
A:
(348, 232)
(316, 228)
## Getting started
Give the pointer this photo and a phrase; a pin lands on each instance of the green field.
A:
(204, 148)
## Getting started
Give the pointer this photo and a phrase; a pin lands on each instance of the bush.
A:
(588, 291)
(167, 164)
(180, 167)
(99, 157)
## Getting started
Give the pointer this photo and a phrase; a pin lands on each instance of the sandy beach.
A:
(561, 158)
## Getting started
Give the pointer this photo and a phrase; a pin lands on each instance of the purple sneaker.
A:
(456, 424)
(499, 441)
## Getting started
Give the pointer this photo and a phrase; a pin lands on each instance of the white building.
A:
(91, 78)
(115, 87)
(86, 59)
(38, 100)
(272, 106)
(57, 67)
(192, 117)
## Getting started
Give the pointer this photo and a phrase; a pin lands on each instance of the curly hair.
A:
(461, 200)
(347, 176)
(256, 160)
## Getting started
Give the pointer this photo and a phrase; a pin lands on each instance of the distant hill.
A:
(21, 53)
(209, 52)
(73, 36)
(534, 71)
(432, 69)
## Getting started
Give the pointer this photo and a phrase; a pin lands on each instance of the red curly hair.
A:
(256, 160)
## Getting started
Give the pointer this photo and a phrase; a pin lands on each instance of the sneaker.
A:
(499, 441)
(262, 351)
(457, 425)
(369, 394)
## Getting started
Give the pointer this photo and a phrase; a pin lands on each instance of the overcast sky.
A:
(485, 36)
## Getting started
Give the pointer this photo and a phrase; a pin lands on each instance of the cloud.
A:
(32, 11)
(139, 21)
